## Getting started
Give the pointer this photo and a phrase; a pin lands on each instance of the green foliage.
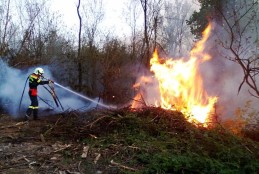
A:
(146, 141)
(199, 20)
(150, 141)
(198, 23)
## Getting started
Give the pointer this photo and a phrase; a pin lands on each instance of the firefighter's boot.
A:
(35, 114)
(28, 114)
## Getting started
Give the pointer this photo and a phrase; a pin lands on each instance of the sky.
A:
(113, 17)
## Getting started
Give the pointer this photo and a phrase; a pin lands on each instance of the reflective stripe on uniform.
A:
(34, 107)
(32, 77)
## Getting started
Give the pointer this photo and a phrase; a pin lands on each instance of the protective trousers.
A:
(33, 108)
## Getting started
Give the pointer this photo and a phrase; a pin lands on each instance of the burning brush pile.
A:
(177, 85)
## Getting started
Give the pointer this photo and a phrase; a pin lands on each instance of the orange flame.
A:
(180, 84)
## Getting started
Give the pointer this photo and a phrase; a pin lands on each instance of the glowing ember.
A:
(180, 85)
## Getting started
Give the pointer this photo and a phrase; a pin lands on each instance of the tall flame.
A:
(180, 83)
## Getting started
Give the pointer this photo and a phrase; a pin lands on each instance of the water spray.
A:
(84, 97)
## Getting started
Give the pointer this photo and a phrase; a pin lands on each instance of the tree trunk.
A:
(79, 49)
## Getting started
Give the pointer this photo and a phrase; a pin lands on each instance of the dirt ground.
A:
(25, 149)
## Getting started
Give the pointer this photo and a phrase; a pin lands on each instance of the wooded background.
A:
(100, 64)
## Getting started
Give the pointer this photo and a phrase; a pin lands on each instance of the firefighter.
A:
(35, 79)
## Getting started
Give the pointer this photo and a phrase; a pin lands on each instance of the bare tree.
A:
(151, 13)
(240, 23)
(7, 27)
(32, 10)
(6, 23)
(132, 15)
(176, 35)
(79, 48)
(93, 16)
(29, 40)
(146, 40)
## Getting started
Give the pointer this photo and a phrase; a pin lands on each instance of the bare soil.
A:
(28, 147)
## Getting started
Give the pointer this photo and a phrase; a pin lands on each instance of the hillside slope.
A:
(149, 140)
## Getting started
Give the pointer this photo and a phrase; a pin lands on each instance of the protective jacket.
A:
(34, 81)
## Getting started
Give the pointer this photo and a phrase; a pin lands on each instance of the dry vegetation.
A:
(149, 140)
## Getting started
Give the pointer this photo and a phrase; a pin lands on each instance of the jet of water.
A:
(84, 97)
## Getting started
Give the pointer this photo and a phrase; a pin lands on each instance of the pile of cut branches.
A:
(146, 140)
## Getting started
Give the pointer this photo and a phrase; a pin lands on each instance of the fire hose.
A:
(51, 90)
(23, 93)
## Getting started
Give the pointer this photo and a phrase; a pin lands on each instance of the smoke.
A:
(12, 86)
(222, 77)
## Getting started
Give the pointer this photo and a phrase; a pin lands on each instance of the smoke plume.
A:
(221, 77)
(12, 86)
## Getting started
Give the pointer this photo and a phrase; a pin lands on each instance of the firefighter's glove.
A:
(51, 81)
